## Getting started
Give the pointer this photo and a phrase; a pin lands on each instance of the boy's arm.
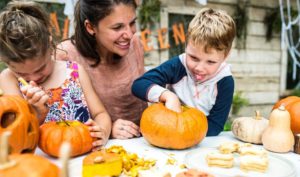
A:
(151, 85)
(101, 130)
(219, 113)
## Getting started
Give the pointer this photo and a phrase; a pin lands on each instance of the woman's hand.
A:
(124, 129)
(97, 132)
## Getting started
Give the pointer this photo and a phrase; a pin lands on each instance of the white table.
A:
(144, 149)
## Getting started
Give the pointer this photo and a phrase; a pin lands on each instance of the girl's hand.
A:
(37, 97)
(124, 129)
(97, 132)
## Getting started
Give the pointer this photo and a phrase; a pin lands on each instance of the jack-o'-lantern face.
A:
(18, 117)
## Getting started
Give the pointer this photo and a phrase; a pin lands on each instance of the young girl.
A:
(57, 89)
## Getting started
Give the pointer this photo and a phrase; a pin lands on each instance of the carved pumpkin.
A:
(18, 117)
(53, 134)
(25, 165)
(168, 129)
(29, 165)
(292, 105)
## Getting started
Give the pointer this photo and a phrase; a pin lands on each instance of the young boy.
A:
(199, 77)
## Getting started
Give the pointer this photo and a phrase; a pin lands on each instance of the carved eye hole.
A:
(7, 119)
(30, 128)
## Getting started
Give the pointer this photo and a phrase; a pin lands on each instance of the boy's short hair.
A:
(213, 29)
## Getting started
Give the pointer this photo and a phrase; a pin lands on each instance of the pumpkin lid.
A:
(101, 157)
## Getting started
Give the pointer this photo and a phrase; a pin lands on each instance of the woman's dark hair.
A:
(94, 11)
(24, 31)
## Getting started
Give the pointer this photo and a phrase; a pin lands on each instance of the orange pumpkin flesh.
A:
(18, 117)
(168, 129)
(292, 105)
(53, 134)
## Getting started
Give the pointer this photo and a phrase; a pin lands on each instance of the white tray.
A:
(278, 166)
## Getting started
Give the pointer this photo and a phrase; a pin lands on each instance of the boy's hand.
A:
(97, 132)
(124, 129)
(171, 101)
(36, 96)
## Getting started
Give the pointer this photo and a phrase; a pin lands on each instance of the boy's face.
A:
(202, 64)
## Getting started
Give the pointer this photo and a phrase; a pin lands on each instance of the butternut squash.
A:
(278, 136)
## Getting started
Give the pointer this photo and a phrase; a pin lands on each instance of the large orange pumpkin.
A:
(18, 117)
(292, 105)
(25, 165)
(53, 134)
(165, 128)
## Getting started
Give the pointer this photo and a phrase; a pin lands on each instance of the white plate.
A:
(278, 166)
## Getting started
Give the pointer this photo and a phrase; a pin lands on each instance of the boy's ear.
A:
(89, 27)
(227, 54)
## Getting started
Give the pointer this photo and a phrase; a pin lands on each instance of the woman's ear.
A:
(89, 27)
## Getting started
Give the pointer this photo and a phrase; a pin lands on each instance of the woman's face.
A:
(114, 32)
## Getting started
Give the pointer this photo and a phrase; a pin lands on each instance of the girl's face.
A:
(36, 69)
(202, 64)
(115, 31)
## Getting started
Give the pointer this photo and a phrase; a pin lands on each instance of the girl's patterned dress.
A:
(67, 102)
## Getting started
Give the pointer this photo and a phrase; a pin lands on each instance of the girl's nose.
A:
(35, 77)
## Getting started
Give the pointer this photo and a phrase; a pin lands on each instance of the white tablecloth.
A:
(144, 149)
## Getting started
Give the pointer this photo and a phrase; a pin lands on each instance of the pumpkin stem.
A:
(64, 155)
(1, 92)
(257, 115)
(282, 107)
(4, 162)
(64, 121)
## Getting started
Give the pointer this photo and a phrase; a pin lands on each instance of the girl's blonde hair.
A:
(213, 29)
(24, 31)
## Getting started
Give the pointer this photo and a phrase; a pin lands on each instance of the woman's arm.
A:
(100, 127)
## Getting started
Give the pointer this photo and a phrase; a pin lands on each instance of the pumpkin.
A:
(18, 117)
(249, 129)
(101, 163)
(292, 105)
(25, 165)
(165, 128)
(53, 134)
(278, 136)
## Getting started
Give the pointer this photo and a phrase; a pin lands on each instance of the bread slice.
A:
(220, 160)
(228, 147)
(252, 151)
(254, 163)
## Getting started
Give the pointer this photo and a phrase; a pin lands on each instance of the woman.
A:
(105, 44)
